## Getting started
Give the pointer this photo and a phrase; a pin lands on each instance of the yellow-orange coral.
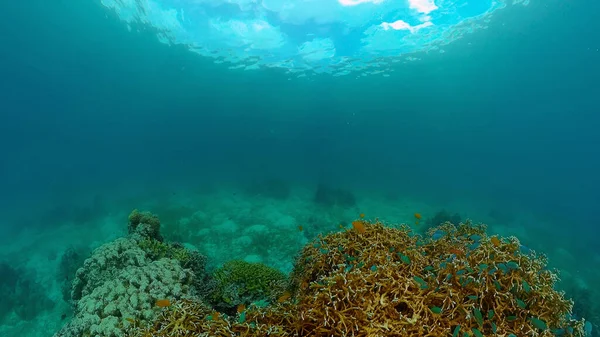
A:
(387, 282)
(187, 318)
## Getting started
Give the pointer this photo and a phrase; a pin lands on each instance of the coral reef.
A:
(120, 282)
(171, 215)
(239, 282)
(119, 285)
(188, 259)
(454, 281)
(71, 260)
(145, 224)
(106, 261)
(586, 305)
(383, 281)
(187, 318)
(247, 229)
(21, 294)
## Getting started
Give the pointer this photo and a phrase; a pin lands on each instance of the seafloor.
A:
(268, 224)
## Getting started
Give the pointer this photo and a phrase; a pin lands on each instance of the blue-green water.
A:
(99, 116)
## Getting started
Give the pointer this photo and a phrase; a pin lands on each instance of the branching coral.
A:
(188, 318)
(385, 281)
(587, 305)
(457, 280)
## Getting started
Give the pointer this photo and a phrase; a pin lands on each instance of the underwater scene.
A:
(299, 168)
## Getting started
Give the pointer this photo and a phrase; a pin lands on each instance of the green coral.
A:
(239, 282)
(144, 223)
(157, 250)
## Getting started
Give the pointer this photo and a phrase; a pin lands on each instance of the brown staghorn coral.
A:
(385, 281)
(189, 318)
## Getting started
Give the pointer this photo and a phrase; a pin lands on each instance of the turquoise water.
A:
(238, 122)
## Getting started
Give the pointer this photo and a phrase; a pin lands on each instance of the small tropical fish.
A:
(300, 228)
(63, 316)
(241, 308)
(418, 216)
(362, 215)
(495, 241)
(341, 226)
(163, 303)
(216, 315)
(286, 295)
(359, 226)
